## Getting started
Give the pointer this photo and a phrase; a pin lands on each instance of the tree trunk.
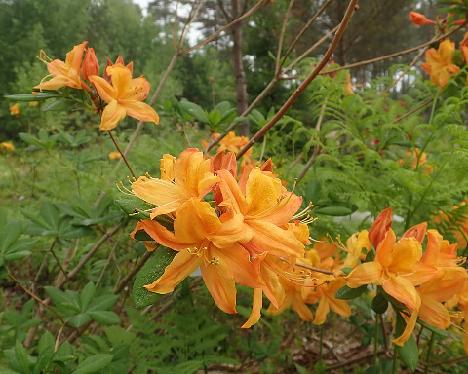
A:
(239, 71)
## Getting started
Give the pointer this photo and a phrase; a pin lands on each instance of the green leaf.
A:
(409, 353)
(93, 364)
(86, 295)
(347, 293)
(334, 210)
(58, 297)
(379, 303)
(31, 97)
(152, 270)
(104, 317)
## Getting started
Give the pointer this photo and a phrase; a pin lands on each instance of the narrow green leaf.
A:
(347, 293)
(86, 295)
(31, 97)
(93, 364)
(334, 210)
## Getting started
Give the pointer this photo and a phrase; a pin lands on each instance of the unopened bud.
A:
(90, 64)
(419, 19)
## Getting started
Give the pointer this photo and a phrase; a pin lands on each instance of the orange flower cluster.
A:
(414, 159)
(7, 146)
(424, 283)
(231, 143)
(15, 110)
(249, 234)
(121, 94)
(439, 64)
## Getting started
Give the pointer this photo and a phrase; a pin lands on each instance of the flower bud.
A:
(419, 19)
(381, 225)
(90, 64)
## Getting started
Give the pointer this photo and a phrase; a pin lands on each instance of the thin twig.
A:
(84, 260)
(218, 32)
(292, 99)
(269, 87)
(122, 154)
(121, 285)
(396, 54)
(317, 147)
(305, 27)
(279, 50)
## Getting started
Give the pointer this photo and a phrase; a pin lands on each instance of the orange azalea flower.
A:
(393, 261)
(419, 19)
(354, 248)
(114, 155)
(434, 293)
(233, 143)
(295, 298)
(15, 110)
(190, 175)
(439, 63)
(7, 146)
(325, 296)
(65, 73)
(124, 97)
(202, 239)
(414, 159)
(463, 304)
(464, 47)
(267, 208)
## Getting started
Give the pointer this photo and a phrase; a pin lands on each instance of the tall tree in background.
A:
(237, 8)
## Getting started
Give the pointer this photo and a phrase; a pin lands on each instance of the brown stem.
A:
(269, 87)
(292, 99)
(121, 285)
(122, 154)
(396, 54)
(313, 268)
(72, 273)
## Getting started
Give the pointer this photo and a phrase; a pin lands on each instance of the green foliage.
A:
(152, 270)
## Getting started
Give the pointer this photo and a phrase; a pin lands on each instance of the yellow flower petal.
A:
(256, 309)
(183, 264)
(112, 114)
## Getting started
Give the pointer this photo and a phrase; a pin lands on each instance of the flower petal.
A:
(367, 273)
(140, 111)
(160, 234)
(256, 309)
(322, 311)
(262, 192)
(434, 313)
(406, 253)
(166, 196)
(220, 283)
(105, 90)
(410, 323)
(112, 114)
(183, 264)
(402, 290)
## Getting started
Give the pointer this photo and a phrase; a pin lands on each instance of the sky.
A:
(193, 33)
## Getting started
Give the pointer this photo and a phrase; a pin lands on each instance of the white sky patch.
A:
(193, 33)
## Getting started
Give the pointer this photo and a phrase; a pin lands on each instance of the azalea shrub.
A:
(336, 243)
